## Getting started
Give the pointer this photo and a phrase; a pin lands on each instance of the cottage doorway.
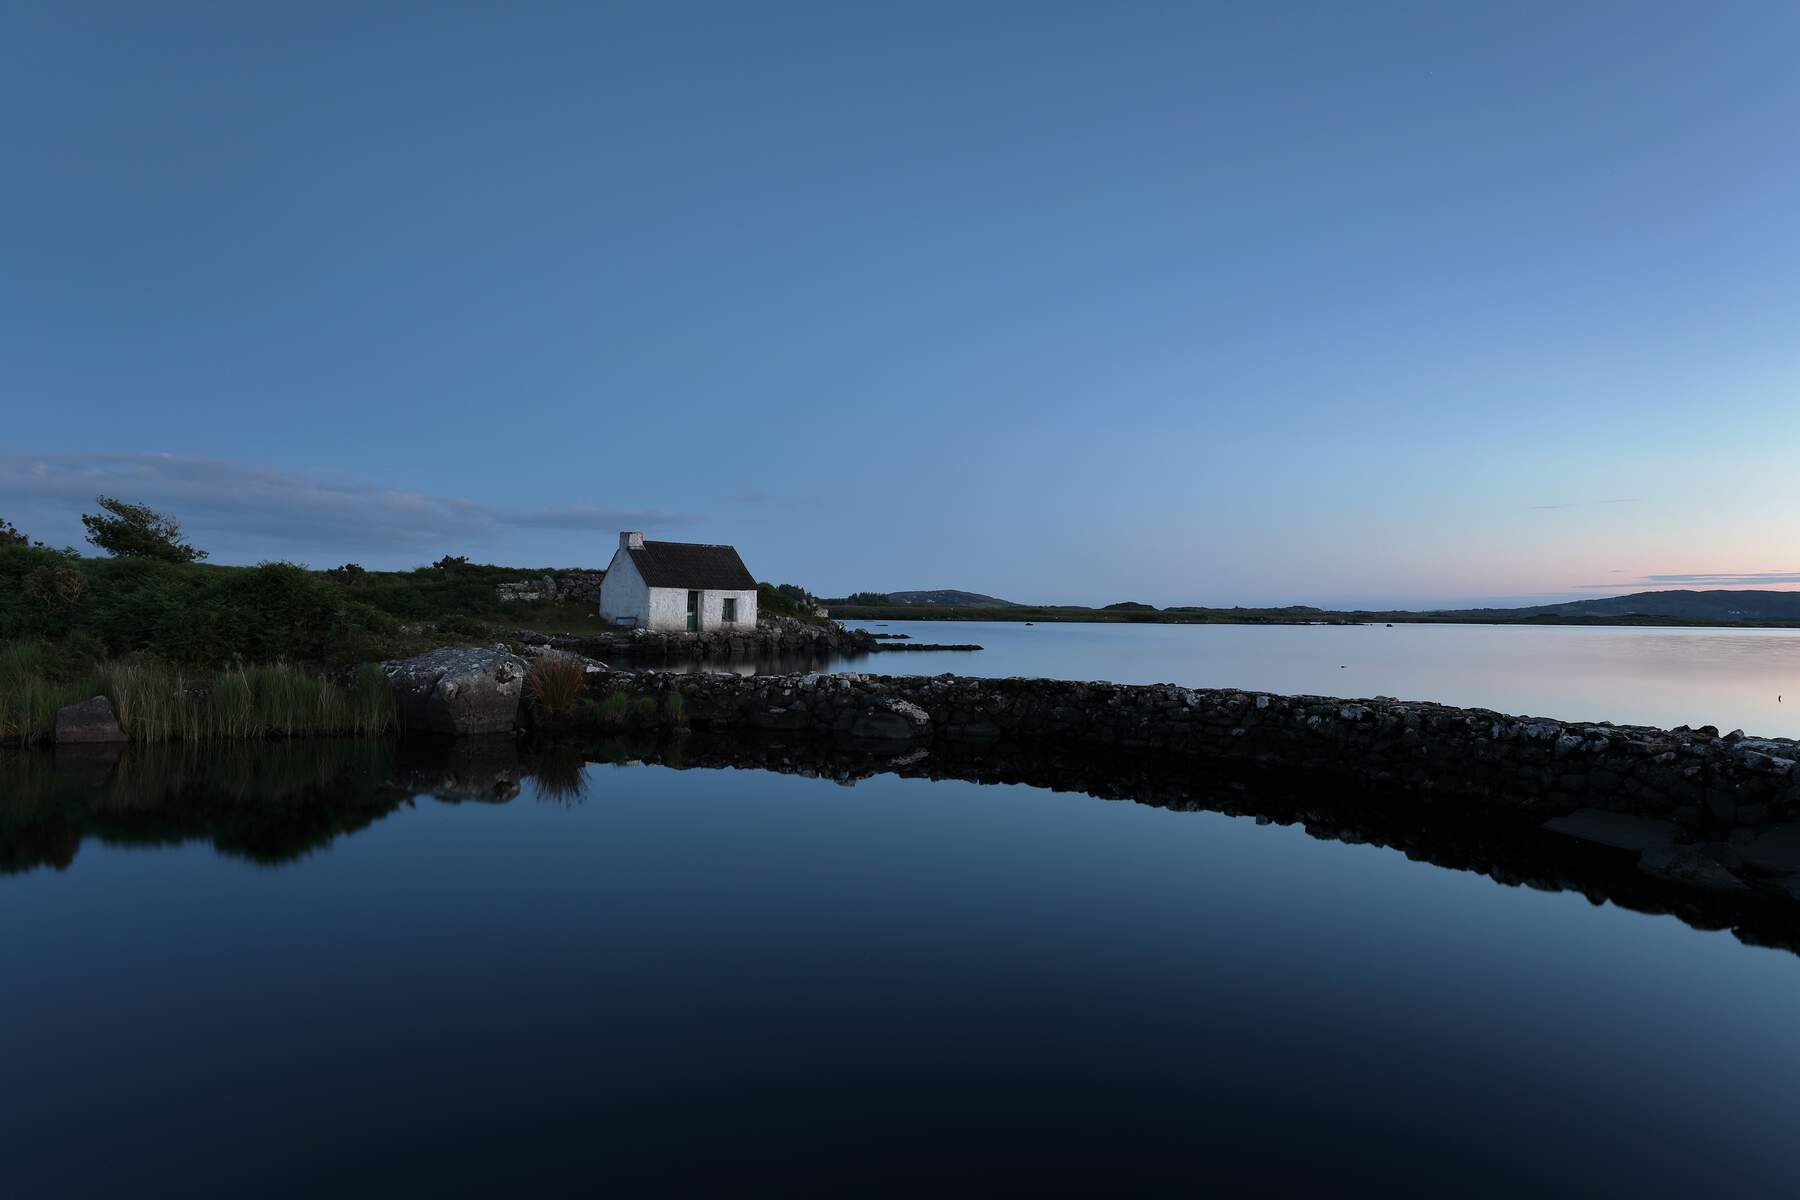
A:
(693, 612)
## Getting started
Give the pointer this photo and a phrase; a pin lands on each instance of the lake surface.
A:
(1666, 677)
(264, 972)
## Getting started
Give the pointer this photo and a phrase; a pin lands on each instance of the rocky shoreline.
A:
(1697, 808)
(1695, 777)
(772, 638)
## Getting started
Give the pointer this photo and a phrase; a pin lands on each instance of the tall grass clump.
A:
(34, 683)
(371, 701)
(614, 708)
(556, 681)
(156, 702)
(151, 700)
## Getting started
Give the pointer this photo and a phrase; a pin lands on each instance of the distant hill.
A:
(1717, 605)
(949, 598)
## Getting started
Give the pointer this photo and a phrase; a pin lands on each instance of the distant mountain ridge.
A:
(1710, 605)
(1717, 606)
(949, 598)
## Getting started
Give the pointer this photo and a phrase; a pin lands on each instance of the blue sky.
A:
(1183, 303)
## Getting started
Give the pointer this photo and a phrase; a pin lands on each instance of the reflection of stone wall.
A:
(1493, 841)
(575, 585)
(1533, 764)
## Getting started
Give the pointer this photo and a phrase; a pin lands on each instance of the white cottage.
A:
(675, 586)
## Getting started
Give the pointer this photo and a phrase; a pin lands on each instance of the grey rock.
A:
(1689, 865)
(458, 690)
(88, 723)
(1776, 850)
(891, 720)
(1623, 830)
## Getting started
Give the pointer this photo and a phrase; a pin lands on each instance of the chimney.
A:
(631, 541)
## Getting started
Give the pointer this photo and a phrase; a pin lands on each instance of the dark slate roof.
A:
(690, 565)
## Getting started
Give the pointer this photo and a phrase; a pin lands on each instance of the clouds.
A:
(1584, 503)
(274, 513)
(1709, 579)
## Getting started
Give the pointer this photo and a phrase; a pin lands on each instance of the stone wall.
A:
(574, 585)
(1536, 765)
(772, 637)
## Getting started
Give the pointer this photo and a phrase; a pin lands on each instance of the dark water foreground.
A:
(709, 966)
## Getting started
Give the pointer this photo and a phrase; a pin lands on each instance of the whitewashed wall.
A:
(622, 593)
(668, 609)
(712, 610)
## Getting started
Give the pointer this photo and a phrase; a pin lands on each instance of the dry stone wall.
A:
(1533, 764)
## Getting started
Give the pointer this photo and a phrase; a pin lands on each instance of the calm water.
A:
(1725, 677)
(262, 974)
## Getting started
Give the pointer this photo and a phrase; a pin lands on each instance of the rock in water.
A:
(459, 690)
(91, 721)
(891, 720)
(1688, 864)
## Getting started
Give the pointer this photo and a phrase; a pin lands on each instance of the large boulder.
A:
(460, 690)
(88, 723)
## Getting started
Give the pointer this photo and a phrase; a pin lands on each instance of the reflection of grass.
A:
(560, 777)
(156, 702)
(268, 803)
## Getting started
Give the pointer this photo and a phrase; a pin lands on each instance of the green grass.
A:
(157, 702)
(205, 618)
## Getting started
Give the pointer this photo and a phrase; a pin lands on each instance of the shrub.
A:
(556, 681)
(460, 627)
(9, 534)
(55, 587)
(614, 708)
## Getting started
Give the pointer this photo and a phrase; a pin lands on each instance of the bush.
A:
(55, 587)
(786, 600)
(188, 614)
(614, 709)
(460, 628)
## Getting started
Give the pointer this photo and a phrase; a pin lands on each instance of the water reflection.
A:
(1730, 678)
(275, 803)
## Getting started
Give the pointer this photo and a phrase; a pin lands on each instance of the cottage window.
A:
(730, 614)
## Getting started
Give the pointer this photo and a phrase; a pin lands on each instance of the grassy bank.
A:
(159, 702)
(198, 615)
